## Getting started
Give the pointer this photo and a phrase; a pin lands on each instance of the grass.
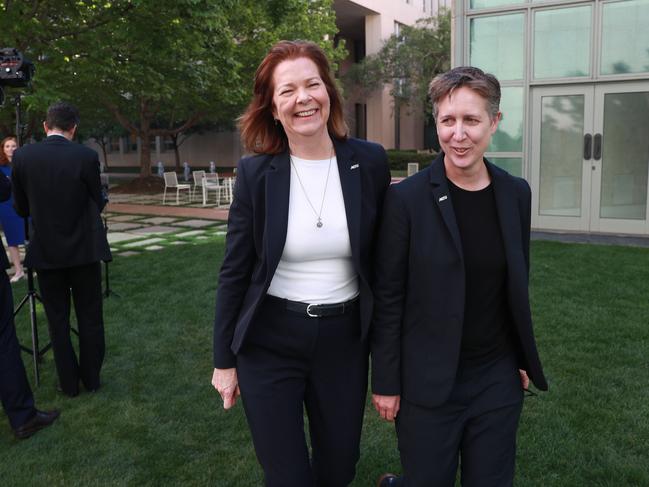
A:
(157, 420)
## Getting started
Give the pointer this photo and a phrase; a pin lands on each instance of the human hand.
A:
(525, 380)
(386, 406)
(226, 383)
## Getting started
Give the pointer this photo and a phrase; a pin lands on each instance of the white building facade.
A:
(575, 100)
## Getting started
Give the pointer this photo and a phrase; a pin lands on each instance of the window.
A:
(360, 117)
(493, 3)
(167, 144)
(113, 144)
(496, 45)
(398, 30)
(562, 42)
(513, 165)
(509, 136)
(130, 143)
(625, 37)
(359, 51)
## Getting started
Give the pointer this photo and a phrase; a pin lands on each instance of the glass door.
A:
(562, 123)
(590, 158)
(621, 154)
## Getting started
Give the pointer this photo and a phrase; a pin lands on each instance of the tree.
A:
(42, 30)
(407, 63)
(97, 124)
(163, 66)
(159, 67)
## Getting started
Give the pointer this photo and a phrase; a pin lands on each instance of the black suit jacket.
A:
(5, 193)
(420, 284)
(257, 231)
(57, 183)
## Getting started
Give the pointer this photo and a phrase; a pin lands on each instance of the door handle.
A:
(588, 146)
(597, 150)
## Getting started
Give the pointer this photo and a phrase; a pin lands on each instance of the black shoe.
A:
(66, 393)
(42, 419)
(91, 386)
(389, 480)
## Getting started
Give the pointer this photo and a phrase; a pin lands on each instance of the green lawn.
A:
(157, 420)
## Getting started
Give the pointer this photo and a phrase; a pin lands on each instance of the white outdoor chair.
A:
(228, 187)
(211, 183)
(171, 181)
(198, 181)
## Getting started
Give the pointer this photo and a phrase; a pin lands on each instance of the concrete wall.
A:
(223, 148)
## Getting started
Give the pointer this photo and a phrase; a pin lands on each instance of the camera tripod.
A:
(31, 298)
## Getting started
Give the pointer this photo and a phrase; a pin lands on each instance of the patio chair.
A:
(211, 183)
(198, 181)
(228, 187)
(171, 181)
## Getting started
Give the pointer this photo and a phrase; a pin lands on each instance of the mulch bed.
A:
(148, 185)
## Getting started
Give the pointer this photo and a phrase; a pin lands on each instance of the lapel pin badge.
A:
(355, 166)
(443, 198)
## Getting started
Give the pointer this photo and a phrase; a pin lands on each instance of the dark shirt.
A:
(487, 324)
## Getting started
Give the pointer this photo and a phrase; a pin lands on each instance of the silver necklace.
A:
(318, 214)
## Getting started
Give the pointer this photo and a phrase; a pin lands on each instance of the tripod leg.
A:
(35, 350)
(107, 291)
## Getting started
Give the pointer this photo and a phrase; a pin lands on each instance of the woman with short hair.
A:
(453, 345)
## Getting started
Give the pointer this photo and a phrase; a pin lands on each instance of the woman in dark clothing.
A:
(452, 341)
(294, 303)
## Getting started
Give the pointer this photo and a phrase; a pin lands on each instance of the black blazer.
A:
(57, 183)
(257, 231)
(5, 193)
(420, 284)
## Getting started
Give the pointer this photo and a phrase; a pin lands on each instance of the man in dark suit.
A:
(16, 396)
(452, 341)
(57, 183)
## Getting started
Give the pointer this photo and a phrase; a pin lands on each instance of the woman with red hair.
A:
(294, 303)
(12, 225)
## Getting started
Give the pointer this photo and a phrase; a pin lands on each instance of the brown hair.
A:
(484, 84)
(259, 132)
(4, 160)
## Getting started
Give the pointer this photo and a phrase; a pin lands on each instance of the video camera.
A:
(15, 70)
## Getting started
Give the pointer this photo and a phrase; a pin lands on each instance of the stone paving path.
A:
(142, 233)
(140, 224)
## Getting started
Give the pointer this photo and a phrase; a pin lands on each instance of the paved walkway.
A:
(219, 214)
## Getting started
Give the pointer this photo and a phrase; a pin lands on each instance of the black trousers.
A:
(16, 396)
(83, 283)
(477, 424)
(289, 363)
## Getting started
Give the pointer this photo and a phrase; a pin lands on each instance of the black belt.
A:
(317, 310)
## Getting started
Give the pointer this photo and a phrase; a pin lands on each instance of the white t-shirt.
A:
(316, 264)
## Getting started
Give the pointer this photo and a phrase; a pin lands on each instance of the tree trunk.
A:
(145, 146)
(176, 151)
(145, 154)
(103, 144)
(103, 149)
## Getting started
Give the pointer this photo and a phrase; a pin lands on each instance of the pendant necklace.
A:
(318, 214)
